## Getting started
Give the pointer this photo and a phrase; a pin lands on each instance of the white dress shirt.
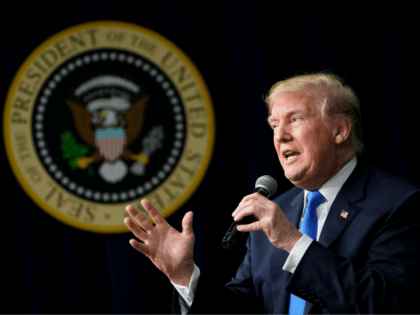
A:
(329, 190)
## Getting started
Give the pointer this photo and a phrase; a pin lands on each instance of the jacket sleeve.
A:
(388, 281)
(235, 297)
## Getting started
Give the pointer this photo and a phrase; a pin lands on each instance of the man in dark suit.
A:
(346, 239)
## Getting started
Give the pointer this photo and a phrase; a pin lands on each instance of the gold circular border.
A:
(198, 78)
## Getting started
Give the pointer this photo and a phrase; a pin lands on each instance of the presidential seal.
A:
(105, 114)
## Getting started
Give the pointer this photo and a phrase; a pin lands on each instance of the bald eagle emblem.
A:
(109, 122)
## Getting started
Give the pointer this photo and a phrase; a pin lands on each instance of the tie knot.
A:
(315, 198)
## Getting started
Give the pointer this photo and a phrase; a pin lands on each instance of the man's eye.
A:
(294, 119)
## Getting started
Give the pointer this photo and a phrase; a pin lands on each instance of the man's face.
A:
(305, 147)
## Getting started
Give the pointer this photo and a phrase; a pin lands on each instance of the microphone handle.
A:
(233, 235)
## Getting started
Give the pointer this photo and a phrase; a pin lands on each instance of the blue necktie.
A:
(310, 228)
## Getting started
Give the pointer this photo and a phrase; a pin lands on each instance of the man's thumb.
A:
(187, 223)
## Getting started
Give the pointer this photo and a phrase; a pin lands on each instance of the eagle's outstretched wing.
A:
(82, 120)
(134, 118)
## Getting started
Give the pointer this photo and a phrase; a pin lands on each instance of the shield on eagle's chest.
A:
(110, 143)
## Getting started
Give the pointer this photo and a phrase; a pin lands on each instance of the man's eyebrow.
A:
(288, 113)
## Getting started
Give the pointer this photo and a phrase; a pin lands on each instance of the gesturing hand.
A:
(170, 250)
(272, 221)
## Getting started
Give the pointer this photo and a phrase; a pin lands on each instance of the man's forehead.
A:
(290, 109)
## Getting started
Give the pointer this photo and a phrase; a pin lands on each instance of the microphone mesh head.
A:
(268, 183)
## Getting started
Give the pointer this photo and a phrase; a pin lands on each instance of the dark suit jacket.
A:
(367, 263)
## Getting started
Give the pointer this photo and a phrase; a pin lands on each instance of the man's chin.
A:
(302, 183)
(297, 179)
(294, 178)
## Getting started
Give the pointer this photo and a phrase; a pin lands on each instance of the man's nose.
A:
(282, 134)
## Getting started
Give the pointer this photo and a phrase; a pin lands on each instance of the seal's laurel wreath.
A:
(105, 114)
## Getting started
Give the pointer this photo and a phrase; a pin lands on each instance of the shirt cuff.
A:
(297, 253)
(186, 295)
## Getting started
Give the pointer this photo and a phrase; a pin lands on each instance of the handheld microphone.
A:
(265, 186)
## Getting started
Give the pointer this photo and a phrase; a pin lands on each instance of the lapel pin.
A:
(344, 214)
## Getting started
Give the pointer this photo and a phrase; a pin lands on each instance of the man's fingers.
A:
(256, 226)
(246, 202)
(139, 217)
(138, 232)
(138, 246)
(244, 211)
(187, 223)
(249, 197)
(154, 214)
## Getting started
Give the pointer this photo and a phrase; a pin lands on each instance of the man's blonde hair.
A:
(334, 99)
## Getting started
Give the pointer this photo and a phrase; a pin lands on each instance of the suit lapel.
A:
(351, 192)
(296, 208)
(292, 211)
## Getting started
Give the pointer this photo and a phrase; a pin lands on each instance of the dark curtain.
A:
(241, 49)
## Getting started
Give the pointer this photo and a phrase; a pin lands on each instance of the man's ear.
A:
(342, 130)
